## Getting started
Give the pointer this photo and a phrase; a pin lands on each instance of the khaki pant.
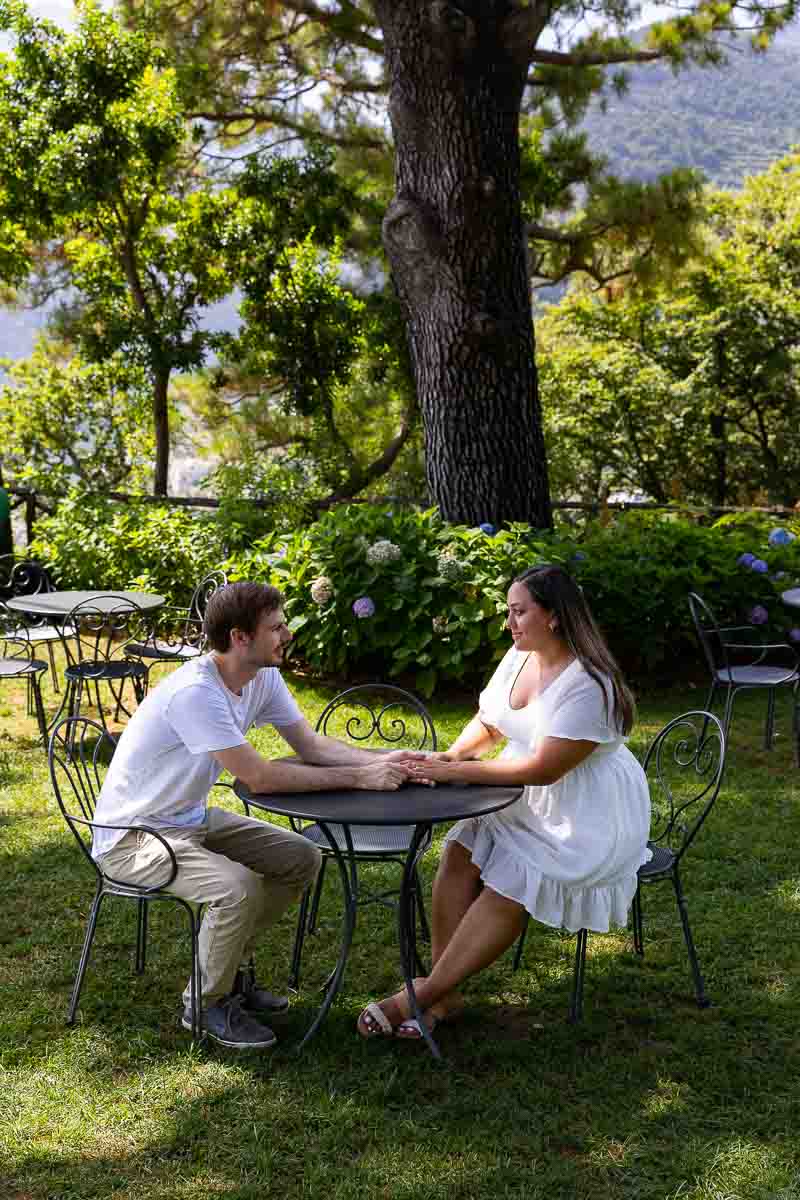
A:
(246, 872)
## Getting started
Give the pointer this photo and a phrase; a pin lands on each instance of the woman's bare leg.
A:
(456, 887)
(490, 925)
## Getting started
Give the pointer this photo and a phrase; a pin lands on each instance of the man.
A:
(246, 871)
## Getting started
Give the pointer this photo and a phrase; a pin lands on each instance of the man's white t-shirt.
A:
(162, 769)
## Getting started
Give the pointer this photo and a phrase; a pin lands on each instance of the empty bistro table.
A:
(59, 605)
(413, 804)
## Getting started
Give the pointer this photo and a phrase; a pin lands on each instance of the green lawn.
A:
(648, 1098)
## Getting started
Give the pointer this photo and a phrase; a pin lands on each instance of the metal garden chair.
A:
(382, 717)
(17, 662)
(95, 638)
(79, 751)
(23, 577)
(737, 662)
(684, 765)
(176, 634)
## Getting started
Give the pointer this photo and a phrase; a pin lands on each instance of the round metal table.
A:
(61, 604)
(414, 804)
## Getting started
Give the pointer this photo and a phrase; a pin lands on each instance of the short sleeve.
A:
(277, 706)
(493, 700)
(202, 720)
(581, 714)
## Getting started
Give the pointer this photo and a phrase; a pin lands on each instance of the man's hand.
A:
(405, 756)
(382, 775)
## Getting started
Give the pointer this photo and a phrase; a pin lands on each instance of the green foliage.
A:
(433, 596)
(94, 543)
(438, 592)
(690, 391)
(64, 421)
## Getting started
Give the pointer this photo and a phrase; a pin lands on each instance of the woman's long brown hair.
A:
(556, 590)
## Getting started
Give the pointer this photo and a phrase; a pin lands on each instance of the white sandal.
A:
(381, 1025)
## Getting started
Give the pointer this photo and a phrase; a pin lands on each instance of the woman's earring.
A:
(552, 626)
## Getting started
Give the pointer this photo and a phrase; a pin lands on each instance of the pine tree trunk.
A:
(161, 429)
(454, 235)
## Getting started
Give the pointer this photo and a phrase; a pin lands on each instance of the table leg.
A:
(406, 929)
(347, 869)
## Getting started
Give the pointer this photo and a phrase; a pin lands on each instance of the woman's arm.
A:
(553, 758)
(475, 739)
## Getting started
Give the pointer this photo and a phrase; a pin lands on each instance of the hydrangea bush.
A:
(372, 592)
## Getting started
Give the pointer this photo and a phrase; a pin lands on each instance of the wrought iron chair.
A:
(79, 751)
(21, 577)
(382, 717)
(176, 634)
(17, 662)
(684, 764)
(738, 664)
(95, 637)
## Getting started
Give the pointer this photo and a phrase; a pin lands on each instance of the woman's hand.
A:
(436, 768)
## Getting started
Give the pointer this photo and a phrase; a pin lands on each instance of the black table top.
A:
(411, 804)
(60, 604)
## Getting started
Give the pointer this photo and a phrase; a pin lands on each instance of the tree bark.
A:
(455, 239)
(161, 428)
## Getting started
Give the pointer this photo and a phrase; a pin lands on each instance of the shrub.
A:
(94, 543)
(373, 591)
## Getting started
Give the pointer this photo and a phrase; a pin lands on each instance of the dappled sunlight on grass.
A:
(648, 1098)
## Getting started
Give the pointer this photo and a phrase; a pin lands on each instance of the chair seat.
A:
(13, 667)
(757, 676)
(662, 861)
(106, 670)
(367, 839)
(163, 651)
(42, 633)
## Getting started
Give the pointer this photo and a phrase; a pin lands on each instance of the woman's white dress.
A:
(568, 851)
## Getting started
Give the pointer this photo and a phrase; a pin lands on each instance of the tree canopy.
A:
(691, 391)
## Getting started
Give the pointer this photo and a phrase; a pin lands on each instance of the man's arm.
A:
(263, 775)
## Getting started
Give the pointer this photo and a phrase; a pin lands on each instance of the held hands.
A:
(383, 775)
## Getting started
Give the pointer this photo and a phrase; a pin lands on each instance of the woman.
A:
(567, 852)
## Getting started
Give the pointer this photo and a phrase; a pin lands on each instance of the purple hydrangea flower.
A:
(794, 635)
(579, 556)
(759, 565)
(780, 537)
(364, 607)
(758, 615)
(488, 528)
(746, 559)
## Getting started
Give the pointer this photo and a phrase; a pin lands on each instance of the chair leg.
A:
(521, 943)
(141, 937)
(576, 1001)
(728, 714)
(637, 923)
(84, 959)
(38, 704)
(299, 939)
(312, 919)
(699, 987)
(53, 671)
(769, 729)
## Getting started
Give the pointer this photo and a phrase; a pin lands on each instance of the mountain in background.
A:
(728, 122)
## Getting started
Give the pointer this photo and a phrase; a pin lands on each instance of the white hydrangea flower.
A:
(321, 590)
(439, 625)
(449, 566)
(382, 552)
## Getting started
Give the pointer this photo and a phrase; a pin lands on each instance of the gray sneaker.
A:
(258, 1000)
(227, 1023)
